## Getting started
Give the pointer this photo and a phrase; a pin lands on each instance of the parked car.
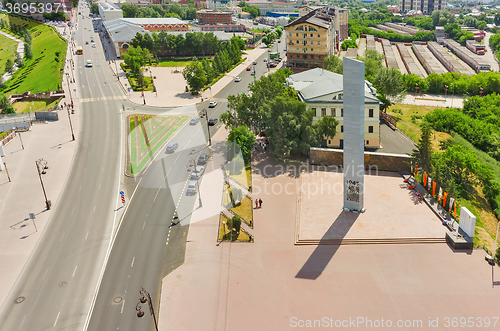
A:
(254, 62)
(265, 59)
(271, 65)
(249, 68)
(212, 104)
(237, 79)
(86, 43)
(203, 158)
(212, 121)
(197, 172)
(89, 64)
(171, 147)
(194, 121)
(191, 189)
(93, 45)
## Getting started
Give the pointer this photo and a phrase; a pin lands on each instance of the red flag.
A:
(425, 179)
(444, 199)
(433, 189)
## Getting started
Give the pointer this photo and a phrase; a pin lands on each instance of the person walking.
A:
(256, 203)
(260, 203)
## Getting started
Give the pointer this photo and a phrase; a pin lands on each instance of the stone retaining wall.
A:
(382, 161)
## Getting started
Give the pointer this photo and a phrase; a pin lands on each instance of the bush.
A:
(236, 223)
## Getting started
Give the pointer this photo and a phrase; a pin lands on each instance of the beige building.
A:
(322, 91)
(424, 6)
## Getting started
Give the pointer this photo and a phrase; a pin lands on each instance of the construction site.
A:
(422, 58)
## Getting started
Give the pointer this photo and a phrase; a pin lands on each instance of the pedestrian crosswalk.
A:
(116, 97)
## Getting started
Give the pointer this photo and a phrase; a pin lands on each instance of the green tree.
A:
(239, 42)
(129, 10)
(19, 61)
(28, 52)
(244, 138)
(9, 66)
(334, 64)
(348, 44)
(422, 156)
(5, 105)
(390, 84)
(195, 76)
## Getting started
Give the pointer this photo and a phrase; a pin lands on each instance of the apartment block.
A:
(425, 6)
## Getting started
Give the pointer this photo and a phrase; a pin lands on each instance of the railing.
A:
(388, 118)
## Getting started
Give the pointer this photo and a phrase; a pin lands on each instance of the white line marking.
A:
(72, 210)
(22, 322)
(57, 318)
(62, 236)
(187, 143)
(74, 271)
(177, 158)
(99, 186)
(143, 225)
(102, 170)
(123, 304)
(45, 274)
(80, 189)
(85, 170)
(87, 235)
(94, 208)
(132, 262)
(156, 194)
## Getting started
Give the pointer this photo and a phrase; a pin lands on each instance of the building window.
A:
(312, 29)
(319, 42)
(296, 41)
(304, 56)
(340, 96)
(370, 129)
(304, 35)
(304, 49)
(296, 35)
(333, 112)
(314, 110)
(300, 28)
(323, 111)
(319, 35)
(312, 50)
(341, 112)
(291, 55)
(341, 128)
(370, 112)
(298, 49)
(319, 57)
(312, 35)
(312, 56)
(312, 42)
(329, 141)
(290, 33)
(367, 142)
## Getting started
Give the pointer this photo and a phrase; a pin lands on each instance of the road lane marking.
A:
(102, 170)
(57, 318)
(85, 170)
(156, 194)
(80, 189)
(176, 158)
(45, 274)
(143, 225)
(72, 210)
(123, 304)
(99, 186)
(62, 236)
(132, 262)
(22, 322)
(95, 207)
(87, 235)
(187, 143)
(74, 272)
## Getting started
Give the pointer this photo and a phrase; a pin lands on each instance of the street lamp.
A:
(41, 166)
(21, 139)
(416, 88)
(203, 113)
(480, 91)
(70, 125)
(445, 91)
(146, 297)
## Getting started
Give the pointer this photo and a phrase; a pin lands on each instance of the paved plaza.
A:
(392, 210)
(272, 284)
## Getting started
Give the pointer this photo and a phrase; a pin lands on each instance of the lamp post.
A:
(71, 125)
(41, 166)
(146, 297)
(445, 91)
(8, 176)
(21, 139)
(480, 91)
(143, 97)
(203, 113)
(69, 89)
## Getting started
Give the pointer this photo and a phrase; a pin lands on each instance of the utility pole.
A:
(69, 89)
(146, 297)
(70, 125)
(8, 176)
(204, 114)
(43, 165)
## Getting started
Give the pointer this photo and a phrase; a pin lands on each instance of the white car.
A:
(93, 45)
(191, 189)
(237, 79)
(212, 104)
(197, 172)
(89, 63)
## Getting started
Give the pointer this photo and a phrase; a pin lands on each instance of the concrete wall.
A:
(382, 161)
(48, 116)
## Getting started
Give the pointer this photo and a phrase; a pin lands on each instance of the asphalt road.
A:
(57, 285)
(150, 242)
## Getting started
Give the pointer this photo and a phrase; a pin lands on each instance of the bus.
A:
(79, 50)
(274, 55)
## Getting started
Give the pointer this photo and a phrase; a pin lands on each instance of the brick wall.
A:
(382, 161)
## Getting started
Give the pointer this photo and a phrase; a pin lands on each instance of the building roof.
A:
(155, 20)
(108, 6)
(313, 18)
(319, 82)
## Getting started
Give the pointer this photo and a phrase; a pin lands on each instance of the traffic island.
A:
(147, 134)
(225, 234)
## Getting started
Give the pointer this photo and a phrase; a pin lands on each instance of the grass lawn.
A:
(409, 118)
(243, 210)
(7, 51)
(44, 71)
(244, 177)
(225, 234)
(138, 87)
(23, 106)
(257, 30)
(4, 134)
(173, 63)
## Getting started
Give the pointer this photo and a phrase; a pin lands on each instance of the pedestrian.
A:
(64, 103)
(260, 203)
(256, 203)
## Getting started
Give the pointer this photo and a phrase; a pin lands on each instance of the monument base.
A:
(459, 240)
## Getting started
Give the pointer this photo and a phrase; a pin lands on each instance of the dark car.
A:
(271, 65)
(254, 62)
(203, 158)
(213, 121)
(171, 147)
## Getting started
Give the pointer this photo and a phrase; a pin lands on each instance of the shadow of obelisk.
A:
(354, 134)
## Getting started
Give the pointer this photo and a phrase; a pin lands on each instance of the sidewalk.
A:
(434, 100)
(24, 194)
(20, 51)
(171, 86)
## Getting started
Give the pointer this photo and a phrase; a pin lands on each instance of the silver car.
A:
(197, 172)
(191, 189)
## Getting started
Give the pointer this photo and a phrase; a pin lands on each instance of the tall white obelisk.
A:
(354, 135)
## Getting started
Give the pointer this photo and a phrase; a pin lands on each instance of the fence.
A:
(388, 118)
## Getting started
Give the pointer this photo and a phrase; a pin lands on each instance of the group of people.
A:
(263, 143)
(258, 203)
